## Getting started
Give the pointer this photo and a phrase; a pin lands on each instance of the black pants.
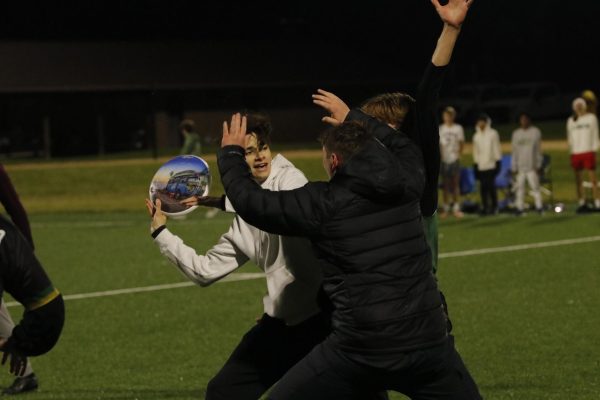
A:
(265, 354)
(329, 373)
(489, 196)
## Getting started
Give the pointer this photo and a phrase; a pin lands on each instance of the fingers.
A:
(243, 127)
(323, 104)
(190, 201)
(150, 207)
(468, 3)
(331, 121)
(159, 205)
(436, 3)
(225, 129)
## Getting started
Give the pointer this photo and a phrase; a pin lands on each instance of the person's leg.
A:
(455, 189)
(437, 373)
(264, 355)
(483, 192)
(520, 191)
(534, 183)
(324, 374)
(445, 190)
(579, 185)
(594, 181)
(493, 191)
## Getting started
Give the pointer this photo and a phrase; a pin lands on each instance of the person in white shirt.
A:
(582, 135)
(487, 155)
(452, 139)
(526, 162)
(293, 322)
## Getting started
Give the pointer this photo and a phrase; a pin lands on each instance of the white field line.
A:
(248, 276)
(154, 288)
(519, 247)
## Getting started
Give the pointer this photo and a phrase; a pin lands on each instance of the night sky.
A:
(503, 40)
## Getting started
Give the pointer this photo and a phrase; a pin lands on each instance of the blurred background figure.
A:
(486, 156)
(527, 161)
(591, 101)
(582, 135)
(14, 208)
(192, 143)
(452, 138)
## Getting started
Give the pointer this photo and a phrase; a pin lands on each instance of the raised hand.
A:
(453, 13)
(235, 133)
(333, 105)
(158, 218)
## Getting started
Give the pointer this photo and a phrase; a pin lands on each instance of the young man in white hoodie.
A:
(487, 155)
(293, 322)
(582, 135)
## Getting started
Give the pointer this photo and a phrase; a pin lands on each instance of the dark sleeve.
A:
(12, 204)
(24, 278)
(297, 212)
(427, 134)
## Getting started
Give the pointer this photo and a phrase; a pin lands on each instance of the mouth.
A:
(261, 167)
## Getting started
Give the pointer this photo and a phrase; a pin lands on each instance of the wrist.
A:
(157, 231)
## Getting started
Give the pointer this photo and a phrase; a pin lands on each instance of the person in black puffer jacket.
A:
(389, 328)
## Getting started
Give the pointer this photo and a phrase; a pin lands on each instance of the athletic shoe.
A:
(21, 385)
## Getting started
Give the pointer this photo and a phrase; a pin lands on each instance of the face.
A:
(448, 118)
(258, 157)
(481, 124)
(524, 121)
(580, 108)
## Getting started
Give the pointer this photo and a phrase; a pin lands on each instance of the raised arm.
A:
(427, 133)
(295, 212)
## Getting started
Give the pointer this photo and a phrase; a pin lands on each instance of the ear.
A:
(336, 161)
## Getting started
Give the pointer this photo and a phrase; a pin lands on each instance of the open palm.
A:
(453, 13)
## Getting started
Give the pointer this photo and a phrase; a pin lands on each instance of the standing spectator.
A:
(582, 135)
(527, 161)
(452, 138)
(14, 208)
(487, 155)
(191, 138)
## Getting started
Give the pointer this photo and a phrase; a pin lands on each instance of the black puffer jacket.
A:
(365, 226)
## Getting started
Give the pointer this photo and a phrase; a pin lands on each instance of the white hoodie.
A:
(486, 148)
(583, 134)
(292, 272)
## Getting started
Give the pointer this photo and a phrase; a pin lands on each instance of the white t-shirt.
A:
(583, 134)
(451, 138)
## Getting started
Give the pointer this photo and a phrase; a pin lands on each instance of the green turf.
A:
(526, 322)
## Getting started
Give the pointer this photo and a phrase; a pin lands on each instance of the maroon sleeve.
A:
(12, 204)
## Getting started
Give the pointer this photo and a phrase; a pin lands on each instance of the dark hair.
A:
(483, 117)
(523, 114)
(345, 140)
(187, 125)
(259, 124)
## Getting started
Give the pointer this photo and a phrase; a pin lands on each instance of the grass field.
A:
(526, 321)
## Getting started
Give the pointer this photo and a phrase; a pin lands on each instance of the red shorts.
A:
(584, 161)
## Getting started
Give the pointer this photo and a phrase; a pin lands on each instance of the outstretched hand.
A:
(453, 13)
(18, 362)
(337, 109)
(235, 133)
(158, 218)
